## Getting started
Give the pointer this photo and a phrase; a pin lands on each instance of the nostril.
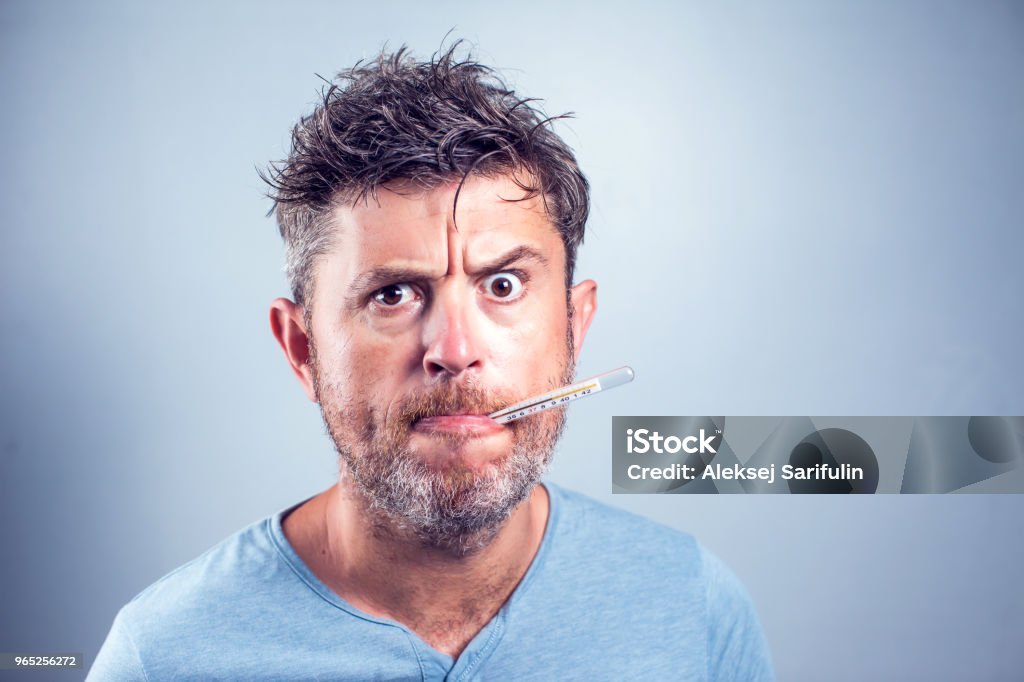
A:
(441, 367)
(433, 368)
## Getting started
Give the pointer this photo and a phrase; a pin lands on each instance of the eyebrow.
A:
(517, 255)
(375, 278)
(388, 274)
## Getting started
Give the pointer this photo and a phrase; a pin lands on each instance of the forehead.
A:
(407, 225)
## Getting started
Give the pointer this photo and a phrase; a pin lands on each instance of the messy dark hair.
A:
(395, 118)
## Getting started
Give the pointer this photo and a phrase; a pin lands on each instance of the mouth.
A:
(464, 424)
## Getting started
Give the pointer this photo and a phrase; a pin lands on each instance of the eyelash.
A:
(391, 310)
(518, 274)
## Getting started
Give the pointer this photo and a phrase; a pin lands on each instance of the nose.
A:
(452, 337)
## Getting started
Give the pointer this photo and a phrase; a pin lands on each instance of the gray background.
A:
(799, 208)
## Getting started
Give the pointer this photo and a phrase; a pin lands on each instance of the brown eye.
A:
(393, 295)
(501, 287)
(504, 285)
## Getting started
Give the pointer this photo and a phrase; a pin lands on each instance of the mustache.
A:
(450, 398)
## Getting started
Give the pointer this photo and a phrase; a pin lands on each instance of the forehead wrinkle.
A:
(383, 227)
(503, 239)
(453, 237)
(422, 210)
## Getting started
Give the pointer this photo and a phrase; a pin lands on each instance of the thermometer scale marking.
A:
(563, 395)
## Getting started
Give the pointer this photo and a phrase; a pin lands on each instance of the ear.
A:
(584, 305)
(290, 331)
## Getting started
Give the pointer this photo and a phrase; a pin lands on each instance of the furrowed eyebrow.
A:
(516, 255)
(374, 279)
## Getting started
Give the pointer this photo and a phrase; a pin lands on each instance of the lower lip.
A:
(468, 424)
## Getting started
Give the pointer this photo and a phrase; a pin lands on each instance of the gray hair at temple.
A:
(395, 118)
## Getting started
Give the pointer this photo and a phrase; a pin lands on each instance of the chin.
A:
(461, 453)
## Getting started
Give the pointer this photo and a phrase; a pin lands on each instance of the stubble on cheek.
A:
(450, 504)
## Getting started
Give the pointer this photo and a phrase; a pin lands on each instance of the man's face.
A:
(419, 329)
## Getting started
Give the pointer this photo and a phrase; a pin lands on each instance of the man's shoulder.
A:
(659, 579)
(213, 597)
(605, 545)
(239, 565)
(585, 517)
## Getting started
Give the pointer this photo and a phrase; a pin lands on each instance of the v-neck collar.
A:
(434, 664)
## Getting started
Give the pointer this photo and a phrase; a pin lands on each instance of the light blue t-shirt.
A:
(609, 596)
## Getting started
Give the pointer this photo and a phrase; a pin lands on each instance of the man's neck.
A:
(444, 597)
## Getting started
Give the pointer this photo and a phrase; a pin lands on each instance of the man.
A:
(431, 221)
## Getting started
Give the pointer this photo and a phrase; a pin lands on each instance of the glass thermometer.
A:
(561, 396)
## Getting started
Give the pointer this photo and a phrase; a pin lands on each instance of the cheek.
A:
(533, 348)
(368, 368)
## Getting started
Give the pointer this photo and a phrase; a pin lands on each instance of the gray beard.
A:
(459, 517)
(452, 510)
